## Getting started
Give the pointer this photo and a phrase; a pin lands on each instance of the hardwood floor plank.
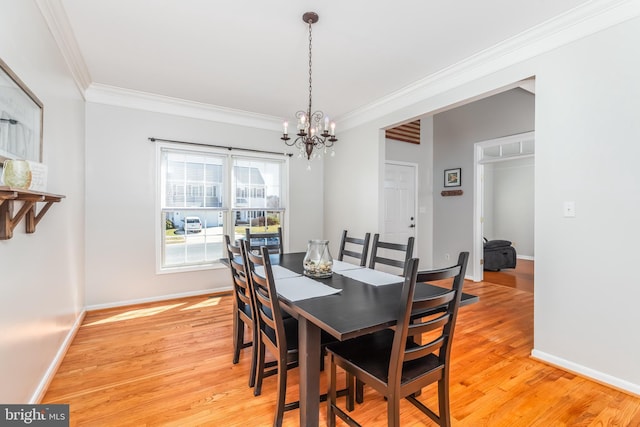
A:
(169, 364)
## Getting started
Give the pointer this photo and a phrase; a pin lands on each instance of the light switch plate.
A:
(569, 209)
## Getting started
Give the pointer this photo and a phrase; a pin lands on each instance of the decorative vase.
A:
(17, 174)
(318, 262)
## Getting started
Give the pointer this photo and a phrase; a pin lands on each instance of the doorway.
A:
(504, 195)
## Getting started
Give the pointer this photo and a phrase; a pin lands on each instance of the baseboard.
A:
(40, 391)
(527, 257)
(591, 374)
(156, 299)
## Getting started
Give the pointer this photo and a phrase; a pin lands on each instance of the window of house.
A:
(205, 194)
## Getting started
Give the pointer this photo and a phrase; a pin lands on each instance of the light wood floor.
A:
(520, 277)
(169, 363)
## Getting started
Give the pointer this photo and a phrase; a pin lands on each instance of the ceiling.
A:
(252, 55)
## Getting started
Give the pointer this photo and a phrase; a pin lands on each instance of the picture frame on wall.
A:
(21, 115)
(453, 177)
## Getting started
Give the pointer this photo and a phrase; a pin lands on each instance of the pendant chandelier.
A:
(313, 129)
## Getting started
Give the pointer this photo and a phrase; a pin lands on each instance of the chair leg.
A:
(281, 393)
(238, 337)
(359, 391)
(393, 411)
(259, 369)
(254, 357)
(350, 392)
(331, 394)
(443, 402)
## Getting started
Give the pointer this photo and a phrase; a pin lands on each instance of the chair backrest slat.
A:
(424, 350)
(358, 247)
(404, 251)
(271, 240)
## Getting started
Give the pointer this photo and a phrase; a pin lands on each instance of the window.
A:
(205, 194)
(258, 204)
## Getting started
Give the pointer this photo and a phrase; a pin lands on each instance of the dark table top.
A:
(359, 308)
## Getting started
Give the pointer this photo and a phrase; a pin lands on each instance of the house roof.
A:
(248, 175)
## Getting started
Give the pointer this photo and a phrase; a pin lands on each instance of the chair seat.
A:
(372, 353)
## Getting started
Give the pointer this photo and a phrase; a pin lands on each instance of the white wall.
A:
(121, 202)
(587, 151)
(513, 204)
(351, 183)
(587, 148)
(42, 274)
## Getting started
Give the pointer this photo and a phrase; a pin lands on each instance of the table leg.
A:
(309, 365)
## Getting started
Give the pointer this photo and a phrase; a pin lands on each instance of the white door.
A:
(399, 202)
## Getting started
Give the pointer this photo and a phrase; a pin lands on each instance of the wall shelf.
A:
(9, 220)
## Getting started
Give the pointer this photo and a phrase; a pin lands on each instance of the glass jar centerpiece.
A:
(318, 262)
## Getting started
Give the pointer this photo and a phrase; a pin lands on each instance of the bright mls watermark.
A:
(34, 415)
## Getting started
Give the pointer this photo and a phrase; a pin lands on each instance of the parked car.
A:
(192, 224)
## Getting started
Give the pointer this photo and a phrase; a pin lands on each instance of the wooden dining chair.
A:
(243, 306)
(401, 253)
(276, 334)
(394, 361)
(271, 240)
(354, 247)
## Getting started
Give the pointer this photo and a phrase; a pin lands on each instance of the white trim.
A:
(111, 95)
(158, 298)
(58, 23)
(525, 257)
(477, 269)
(597, 376)
(478, 195)
(575, 24)
(40, 391)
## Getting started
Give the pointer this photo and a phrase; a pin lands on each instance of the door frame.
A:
(478, 196)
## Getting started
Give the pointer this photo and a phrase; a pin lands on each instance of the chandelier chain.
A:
(310, 63)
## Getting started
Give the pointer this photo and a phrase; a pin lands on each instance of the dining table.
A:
(353, 301)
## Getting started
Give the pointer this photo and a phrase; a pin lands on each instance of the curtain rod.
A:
(152, 139)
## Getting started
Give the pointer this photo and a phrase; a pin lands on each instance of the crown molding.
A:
(58, 23)
(111, 95)
(575, 24)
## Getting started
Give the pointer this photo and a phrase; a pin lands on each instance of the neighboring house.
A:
(251, 192)
(199, 185)
(194, 185)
